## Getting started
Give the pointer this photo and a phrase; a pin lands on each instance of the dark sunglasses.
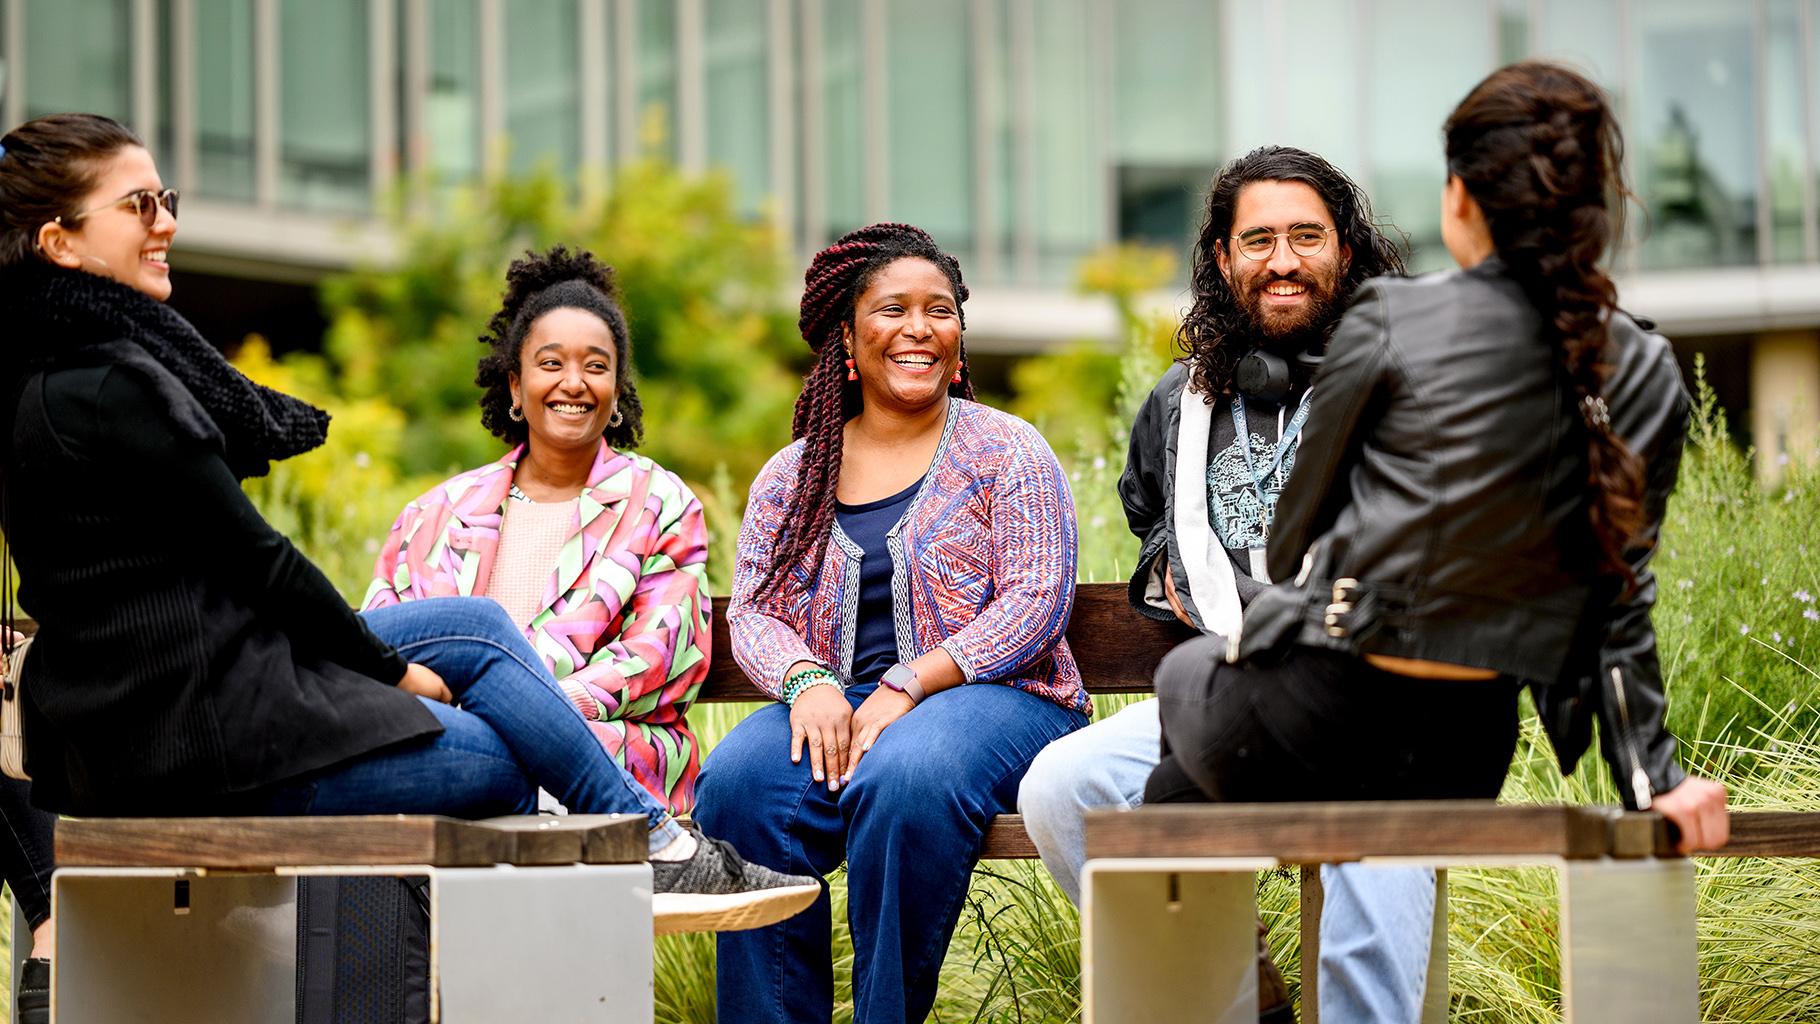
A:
(144, 203)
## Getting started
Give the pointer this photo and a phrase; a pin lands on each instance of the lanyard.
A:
(1285, 442)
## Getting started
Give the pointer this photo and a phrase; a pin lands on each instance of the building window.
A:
(738, 96)
(656, 72)
(1067, 184)
(1166, 124)
(1694, 133)
(841, 87)
(76, 57)
(324, 134)
(1787, 150)
(1406, 110)
(223, 50)
(928, 129)
(451, 105)
(542, 82)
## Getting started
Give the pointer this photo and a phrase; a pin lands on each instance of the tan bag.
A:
(12, 726)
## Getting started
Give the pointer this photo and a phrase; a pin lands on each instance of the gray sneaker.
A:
(717, 890)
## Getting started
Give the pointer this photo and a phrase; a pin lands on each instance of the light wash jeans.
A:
(1375, 924)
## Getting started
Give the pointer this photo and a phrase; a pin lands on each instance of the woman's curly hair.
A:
(1216, 316)
(1539, 150)
(537, 283)
(836, 277)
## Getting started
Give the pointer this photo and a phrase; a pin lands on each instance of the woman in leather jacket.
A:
(1475, 509)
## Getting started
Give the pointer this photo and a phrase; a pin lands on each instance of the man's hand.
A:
(1697, 808)
(822, 720)
(425, 683)
(1174, 601)
(883, 707)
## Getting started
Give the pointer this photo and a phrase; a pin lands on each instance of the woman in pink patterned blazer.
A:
(906, 571)
(598, 554)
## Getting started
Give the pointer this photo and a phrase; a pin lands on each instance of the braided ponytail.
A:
(833, 283)
(1538, 149)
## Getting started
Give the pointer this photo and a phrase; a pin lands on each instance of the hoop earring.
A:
(617, 418)
(514, 414)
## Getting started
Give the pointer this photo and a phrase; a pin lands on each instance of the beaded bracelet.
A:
(796, 684)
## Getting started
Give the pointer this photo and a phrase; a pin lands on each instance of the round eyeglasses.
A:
(144, 204)
(1261, 243)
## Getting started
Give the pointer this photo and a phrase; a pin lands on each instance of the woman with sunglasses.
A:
(189, 660)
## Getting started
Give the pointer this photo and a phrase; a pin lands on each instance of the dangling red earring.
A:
(957, 370)
(851, 373)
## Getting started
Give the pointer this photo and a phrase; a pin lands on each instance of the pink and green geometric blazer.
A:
(624, 619)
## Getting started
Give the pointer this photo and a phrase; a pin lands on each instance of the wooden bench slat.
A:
(1116, 648)
(264, 843)
(575, 838)
(1316, 833)
(1767, 834)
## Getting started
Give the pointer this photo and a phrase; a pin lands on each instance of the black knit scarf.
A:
(57, 317)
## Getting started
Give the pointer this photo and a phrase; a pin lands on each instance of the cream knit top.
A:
(531, 535)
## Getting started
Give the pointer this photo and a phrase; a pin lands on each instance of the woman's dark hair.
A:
(1216, 316)
(536, 284)
(832, 285)
(49, 165)
(1538, 149)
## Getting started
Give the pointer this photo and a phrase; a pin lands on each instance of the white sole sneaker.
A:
(673, 912)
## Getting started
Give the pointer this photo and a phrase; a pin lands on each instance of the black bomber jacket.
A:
(1438, 511)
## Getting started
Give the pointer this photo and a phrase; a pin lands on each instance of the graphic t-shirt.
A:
(1236, 509)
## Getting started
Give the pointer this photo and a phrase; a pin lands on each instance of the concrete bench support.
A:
(1170, 940)
(568, 943)
(1628, 953)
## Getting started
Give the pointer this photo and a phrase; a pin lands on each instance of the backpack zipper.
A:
(1639, 779)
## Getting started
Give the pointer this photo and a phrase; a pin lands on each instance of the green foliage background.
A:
(718, 362)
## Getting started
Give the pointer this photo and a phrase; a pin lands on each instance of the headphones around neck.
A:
(1264, 376)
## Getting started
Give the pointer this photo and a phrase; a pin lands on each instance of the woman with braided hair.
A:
(906, 572)
(1475, 514)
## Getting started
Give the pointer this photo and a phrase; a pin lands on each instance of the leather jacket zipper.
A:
(1639, 779)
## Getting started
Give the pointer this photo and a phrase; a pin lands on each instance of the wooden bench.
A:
(195, 918)
(1118, 652)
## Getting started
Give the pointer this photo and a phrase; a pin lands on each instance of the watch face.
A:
(898, 676)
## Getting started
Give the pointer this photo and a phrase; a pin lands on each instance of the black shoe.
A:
(34, 991)
(717, 890)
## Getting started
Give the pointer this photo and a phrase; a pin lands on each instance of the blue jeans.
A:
(909, 826)
(509, 731)
(1375, 924)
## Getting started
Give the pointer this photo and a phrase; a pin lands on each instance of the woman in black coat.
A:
(1475, 510)
(189, 659)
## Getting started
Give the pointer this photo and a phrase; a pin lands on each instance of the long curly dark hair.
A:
(1538, 149)
(836, 277)
(536, 284)
(1216, 317)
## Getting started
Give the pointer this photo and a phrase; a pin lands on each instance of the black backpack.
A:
(363, 950)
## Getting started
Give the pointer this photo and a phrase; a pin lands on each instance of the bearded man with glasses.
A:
(1286, 239)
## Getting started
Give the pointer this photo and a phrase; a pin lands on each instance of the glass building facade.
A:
(1024, 134)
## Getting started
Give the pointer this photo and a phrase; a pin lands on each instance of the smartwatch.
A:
(902, 678)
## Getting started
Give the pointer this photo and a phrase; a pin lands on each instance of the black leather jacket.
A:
(1438, 511)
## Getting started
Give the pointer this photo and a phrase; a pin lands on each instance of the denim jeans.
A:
(909, 826)
(510, 730)
(25, 850)
(1375, 924)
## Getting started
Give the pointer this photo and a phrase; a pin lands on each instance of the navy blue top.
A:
(875, 646)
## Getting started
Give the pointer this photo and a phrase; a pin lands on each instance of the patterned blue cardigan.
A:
(984, 567)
